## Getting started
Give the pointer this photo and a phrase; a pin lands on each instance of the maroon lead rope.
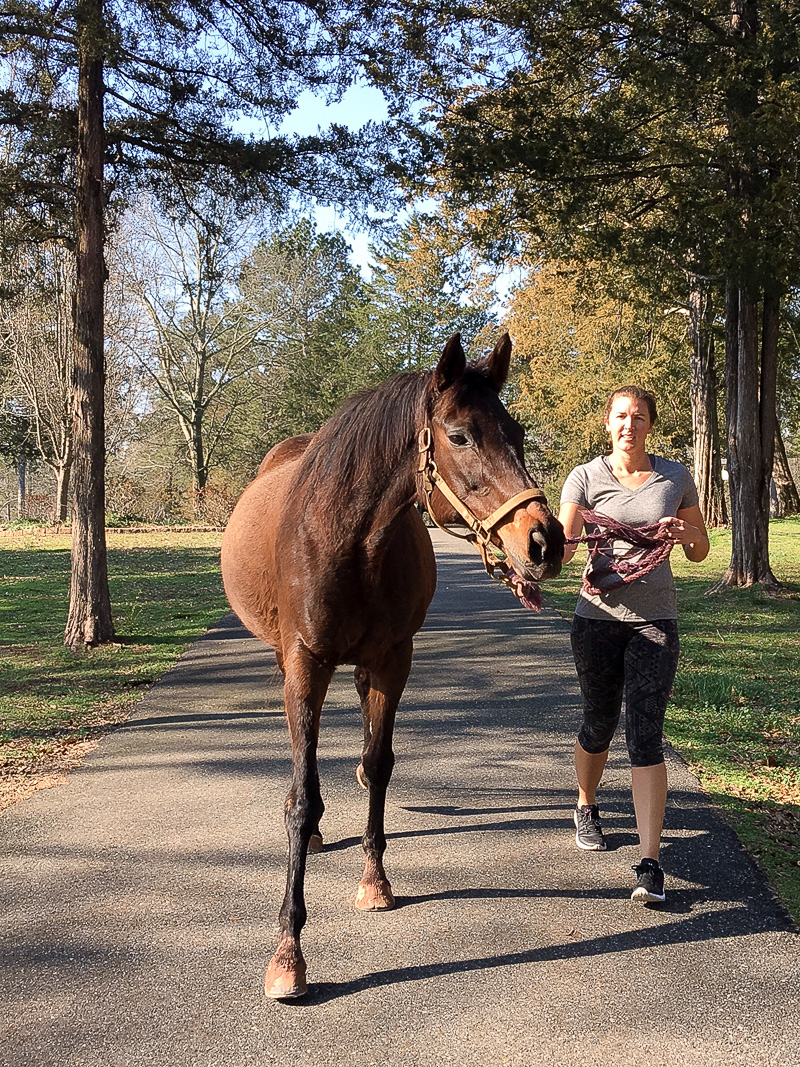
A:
(608, 571)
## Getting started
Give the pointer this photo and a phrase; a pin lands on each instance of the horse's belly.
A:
(248, 554)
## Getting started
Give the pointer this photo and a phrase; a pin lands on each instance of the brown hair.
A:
(635, 393)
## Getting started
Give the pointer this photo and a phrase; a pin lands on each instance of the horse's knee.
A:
(302, 814)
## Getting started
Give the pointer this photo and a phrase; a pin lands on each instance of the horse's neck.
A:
(382, 498)
(359, 474)
(366, 509)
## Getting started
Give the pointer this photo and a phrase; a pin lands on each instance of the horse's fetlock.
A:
(292, 918)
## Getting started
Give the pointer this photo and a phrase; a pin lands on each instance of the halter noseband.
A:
(481, 531)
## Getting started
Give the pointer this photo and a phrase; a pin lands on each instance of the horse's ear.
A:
(452, 364)
(499, 362)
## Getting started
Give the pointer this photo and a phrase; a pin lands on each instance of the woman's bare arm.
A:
(687, 528)
(570, 517)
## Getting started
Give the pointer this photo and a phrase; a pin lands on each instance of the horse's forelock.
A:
(476, 380)
(479, 373)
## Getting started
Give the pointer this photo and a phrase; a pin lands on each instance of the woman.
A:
(625, 640)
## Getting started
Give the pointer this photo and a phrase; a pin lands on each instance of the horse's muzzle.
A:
(534, 542)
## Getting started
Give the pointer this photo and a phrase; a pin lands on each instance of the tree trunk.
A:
(199, 466)
(750, 346)
(89, 620)
(22, 468)
(705, 422)
(62, 492)
(788, 497)
(750, 417)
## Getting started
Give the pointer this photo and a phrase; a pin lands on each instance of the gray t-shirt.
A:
(668, 489)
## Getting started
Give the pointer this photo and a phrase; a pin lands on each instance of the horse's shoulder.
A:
(291, 448)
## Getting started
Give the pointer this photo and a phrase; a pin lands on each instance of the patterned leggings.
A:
(637, 658)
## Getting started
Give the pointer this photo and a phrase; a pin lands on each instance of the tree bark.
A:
(788, 497)
(705, 422)
(199, 465)
(22, 468)
(62, 492)
(89, 620)
(750, 418)
(750, 344)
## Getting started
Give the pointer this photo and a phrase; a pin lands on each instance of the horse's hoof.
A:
(361, 778)
(282, 982)
(373, 896)
(315, 843)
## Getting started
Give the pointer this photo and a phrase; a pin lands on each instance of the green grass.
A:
(165, 591)
(735, 712)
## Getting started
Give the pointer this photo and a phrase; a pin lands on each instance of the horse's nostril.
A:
(537, 546)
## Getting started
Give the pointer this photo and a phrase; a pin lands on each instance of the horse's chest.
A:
(366, 602)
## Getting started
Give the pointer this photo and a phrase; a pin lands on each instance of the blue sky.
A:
(360, 104)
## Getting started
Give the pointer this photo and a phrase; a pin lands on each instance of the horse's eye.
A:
(459, 439)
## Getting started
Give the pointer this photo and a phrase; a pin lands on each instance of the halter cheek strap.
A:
(480, 530)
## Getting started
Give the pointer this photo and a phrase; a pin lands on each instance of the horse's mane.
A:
(365, 436)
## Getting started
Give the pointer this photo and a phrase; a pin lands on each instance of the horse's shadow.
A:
(726, 897)
(708, 926)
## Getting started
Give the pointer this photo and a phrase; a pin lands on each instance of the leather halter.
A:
(481, 531)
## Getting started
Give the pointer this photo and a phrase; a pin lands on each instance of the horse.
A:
(326, 559)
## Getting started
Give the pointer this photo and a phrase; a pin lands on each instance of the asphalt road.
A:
(139, 900)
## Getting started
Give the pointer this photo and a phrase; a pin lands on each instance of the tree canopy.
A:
(188, 87)
(665, 136)
(575, 341)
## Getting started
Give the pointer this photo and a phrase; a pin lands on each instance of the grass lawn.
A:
(735, 712)
(165, 591)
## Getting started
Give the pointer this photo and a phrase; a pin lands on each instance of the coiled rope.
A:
(608, 570)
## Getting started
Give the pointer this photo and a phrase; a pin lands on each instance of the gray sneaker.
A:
(588, 831)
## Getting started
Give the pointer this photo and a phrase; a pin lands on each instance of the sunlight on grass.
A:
(165, 591)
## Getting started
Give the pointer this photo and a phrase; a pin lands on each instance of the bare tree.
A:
(37, 336)
(787, 497)
(187, 329)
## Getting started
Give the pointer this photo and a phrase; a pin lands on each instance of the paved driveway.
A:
(139, 900)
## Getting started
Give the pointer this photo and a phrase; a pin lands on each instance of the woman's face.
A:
(628, 422)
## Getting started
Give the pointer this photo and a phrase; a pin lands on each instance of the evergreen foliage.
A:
(575, 341)
(182, 82)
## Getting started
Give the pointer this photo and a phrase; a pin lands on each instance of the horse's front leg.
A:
(315, 844)
(305, 685)
(380, 690)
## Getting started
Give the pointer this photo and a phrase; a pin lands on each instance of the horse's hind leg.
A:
(361, 679)
(380, 691)
(305, 685)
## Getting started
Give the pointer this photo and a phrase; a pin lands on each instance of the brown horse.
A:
(326, 560)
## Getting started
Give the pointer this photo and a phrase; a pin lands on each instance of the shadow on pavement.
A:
(709, 926)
